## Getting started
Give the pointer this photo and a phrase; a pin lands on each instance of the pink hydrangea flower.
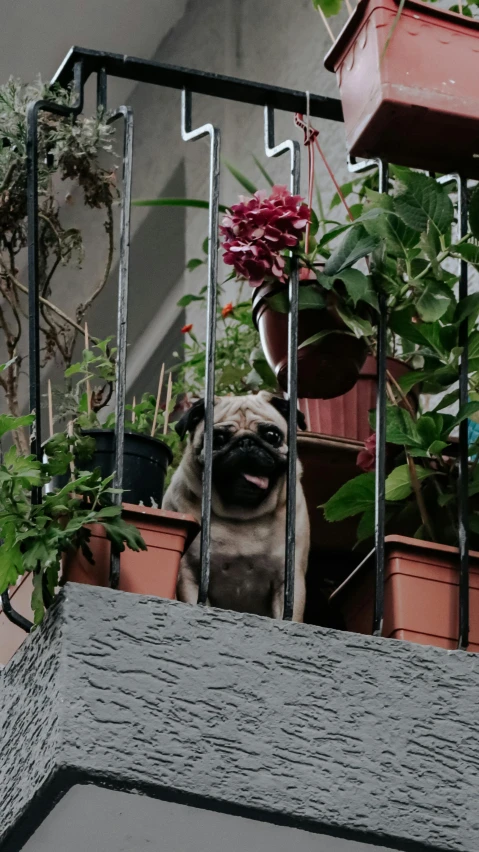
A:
(258, 229)
(366, 459)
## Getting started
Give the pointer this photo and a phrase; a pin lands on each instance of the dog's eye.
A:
(220, 439)
(273, 436)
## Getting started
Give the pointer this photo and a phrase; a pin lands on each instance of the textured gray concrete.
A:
(348, 735)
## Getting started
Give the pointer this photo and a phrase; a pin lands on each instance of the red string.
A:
(311, 136)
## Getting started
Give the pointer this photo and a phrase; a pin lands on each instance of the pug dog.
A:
(248, 509)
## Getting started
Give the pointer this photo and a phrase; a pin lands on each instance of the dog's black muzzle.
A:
(246, 470)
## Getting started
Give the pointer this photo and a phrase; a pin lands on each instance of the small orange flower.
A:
(187, 328)
(228, 309)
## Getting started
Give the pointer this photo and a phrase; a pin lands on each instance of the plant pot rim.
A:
(146, 439)
(404, 543)
(351, 27)
(179, 519)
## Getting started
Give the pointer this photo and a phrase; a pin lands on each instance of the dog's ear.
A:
(191, 418)
(282, 405)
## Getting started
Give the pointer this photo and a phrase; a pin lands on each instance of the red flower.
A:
(366, 459)
(257, 230)
(187, 328)
(228, 309)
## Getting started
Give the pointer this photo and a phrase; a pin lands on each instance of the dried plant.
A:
(69, 149)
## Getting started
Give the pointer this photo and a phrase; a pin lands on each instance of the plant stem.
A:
(419, 497)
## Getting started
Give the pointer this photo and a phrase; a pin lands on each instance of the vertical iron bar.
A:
(33, 110)
(188, 134)
(381, 413)
(273, 150)
(127, 115)
(463, 501)
(101, 90)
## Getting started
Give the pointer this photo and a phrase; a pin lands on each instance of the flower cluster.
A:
(257, 230)
(366, 459)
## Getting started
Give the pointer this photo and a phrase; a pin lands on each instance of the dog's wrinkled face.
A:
(249, 449)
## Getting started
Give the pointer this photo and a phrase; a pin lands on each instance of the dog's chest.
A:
(247, 565)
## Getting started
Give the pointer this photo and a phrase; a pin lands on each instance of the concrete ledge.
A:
(358, 737)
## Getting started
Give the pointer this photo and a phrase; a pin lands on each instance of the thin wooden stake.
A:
(133, 415)
(72, 463)
(158, 395)
(88, 388)
(326, 24)
(349, 7)
(168, 400)
(50, 408)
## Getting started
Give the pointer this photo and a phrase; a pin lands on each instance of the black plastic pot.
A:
(145, 461)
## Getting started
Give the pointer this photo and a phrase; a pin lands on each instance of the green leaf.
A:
(194, 263)
(37, 598)
(424, 201)
(351, 499)
(310, 298)
(436, 448)
(474, 213)
(387, 225)
(241, 178)
(398, 483)
(356, 245)
(188, 299)
(410, 380)
(328, 7)
(8, 423)
(432, 303)
(464, 412)
(366, 525)
(279, 302)
(175, 202)
(11, 563)
(358, 286)
(320, 335)
(263, 171)
(467, 307)
(468, 252)
(346, 190)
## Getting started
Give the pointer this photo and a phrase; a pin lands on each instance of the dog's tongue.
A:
(260, 481)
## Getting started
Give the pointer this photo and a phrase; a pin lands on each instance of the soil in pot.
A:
(167, 536)
(347, 416)
(409, 96)
(145, 461)
(421, 594)
(325, 369)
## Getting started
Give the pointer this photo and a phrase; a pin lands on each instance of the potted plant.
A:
(421, 488)
(259, 237)
(405, 71)
(89, 443)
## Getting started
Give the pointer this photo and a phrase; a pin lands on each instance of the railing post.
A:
(273, 150)
(188, 134)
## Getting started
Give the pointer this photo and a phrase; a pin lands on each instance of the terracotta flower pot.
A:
(421, 594)
(325, 369)
(347, 416)
(145, 462)
(412, 101)
(149, 572)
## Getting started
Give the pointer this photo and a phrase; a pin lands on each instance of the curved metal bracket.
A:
(188, 134)
(13, 615)
(273, 150)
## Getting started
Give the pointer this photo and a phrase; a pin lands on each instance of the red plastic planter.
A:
(347, 416)
(167, 535)
(421, 594)
(325, 369)
(415, 102)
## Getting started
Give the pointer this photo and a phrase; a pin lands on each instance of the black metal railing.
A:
(78, 66)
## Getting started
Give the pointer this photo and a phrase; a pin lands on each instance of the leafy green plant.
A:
(34, 537)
